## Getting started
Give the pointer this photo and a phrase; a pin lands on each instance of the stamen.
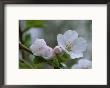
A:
(69, 46)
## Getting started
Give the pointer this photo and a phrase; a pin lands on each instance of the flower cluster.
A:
(69, 42)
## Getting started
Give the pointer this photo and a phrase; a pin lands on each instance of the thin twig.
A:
(21, 46)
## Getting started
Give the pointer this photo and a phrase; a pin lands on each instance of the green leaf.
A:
(71, 62)
(34, 23)
(38, 60)
(24, 66)
(63, 57)
(38, 66)
(27, 40)
(55, 63)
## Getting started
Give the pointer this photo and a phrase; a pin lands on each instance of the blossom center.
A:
(69, 46)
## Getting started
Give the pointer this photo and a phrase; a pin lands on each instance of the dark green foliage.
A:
(24, 65)
(34, 23)
(27, 40)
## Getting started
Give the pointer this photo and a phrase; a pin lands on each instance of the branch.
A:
(21, 46)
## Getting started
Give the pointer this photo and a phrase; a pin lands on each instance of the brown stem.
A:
(21, 46)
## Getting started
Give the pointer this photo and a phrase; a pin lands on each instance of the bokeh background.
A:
(29, 30)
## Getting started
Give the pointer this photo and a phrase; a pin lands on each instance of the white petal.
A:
(48, 53)
(39, 42)
(38, 46)
(75, 55)
(79, 45)
(70, 35)
(76, 66)
(33, 48)
(85, 63)
(60, 40)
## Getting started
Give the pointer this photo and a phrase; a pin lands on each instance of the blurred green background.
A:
(29, 30)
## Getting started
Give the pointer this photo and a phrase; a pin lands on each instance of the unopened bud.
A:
(57, 50)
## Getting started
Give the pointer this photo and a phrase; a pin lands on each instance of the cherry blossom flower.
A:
(72, 44)
(39, 48)
(83, 64)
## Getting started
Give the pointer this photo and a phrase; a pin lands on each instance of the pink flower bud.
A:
(57, 50)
